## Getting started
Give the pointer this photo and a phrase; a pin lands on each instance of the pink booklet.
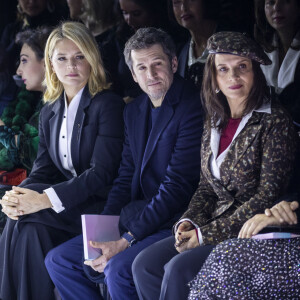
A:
(99, 228)
(275, 235)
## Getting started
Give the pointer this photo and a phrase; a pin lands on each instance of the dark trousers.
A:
(64, 264)
(23, 247)
(160, 272)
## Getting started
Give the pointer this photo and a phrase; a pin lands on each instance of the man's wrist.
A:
(129, 238)
(124, 243)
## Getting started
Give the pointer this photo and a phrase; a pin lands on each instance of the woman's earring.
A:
(217, 90)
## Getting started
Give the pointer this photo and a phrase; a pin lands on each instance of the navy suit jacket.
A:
(164, 167)
(96, 148)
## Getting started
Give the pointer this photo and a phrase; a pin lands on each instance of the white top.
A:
(283, 76)
(215, 162)
(64, 146)
(192, 59)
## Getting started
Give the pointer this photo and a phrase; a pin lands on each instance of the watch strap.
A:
(129, 238)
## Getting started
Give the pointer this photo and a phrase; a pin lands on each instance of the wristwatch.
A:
(129, 238)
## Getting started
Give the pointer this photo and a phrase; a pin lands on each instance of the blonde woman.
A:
(97, 15)
(81, 133)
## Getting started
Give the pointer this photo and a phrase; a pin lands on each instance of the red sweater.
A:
(228, 134)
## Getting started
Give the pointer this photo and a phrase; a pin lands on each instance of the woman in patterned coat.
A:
(248, 150)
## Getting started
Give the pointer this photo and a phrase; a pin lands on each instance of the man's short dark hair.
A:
(145, 38)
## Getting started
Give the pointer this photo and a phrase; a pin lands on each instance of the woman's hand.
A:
(1, 123)
(254, 225)
(9, 205)
(25, 201)
(187, 240)
(184, 226)
(284, 212)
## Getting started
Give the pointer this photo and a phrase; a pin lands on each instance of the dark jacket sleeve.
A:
(120, 194)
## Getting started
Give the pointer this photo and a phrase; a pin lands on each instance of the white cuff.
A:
(55, 201)
(199, 236)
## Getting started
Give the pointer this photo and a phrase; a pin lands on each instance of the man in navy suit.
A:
(158, 174)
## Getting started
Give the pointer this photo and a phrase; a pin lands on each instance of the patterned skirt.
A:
(250, 269)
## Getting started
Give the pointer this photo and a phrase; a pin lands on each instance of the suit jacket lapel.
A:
(77, 128)
(54, 125)
(165, 115)
(140, 129)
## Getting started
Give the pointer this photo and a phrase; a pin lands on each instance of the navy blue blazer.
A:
(96, 148)
(163, 167)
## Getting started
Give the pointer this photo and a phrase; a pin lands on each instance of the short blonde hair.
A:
(84, 40)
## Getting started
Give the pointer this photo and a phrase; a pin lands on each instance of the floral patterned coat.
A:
(254, 173)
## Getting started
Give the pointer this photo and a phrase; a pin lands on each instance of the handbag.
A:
(14, 177)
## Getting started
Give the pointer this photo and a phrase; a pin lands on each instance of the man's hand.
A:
(284, 212)
(254, 225)
(187, 240)
(109, 249)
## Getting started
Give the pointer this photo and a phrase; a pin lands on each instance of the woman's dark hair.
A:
(216, 105)
(35, 38)
(211, 10)
(263, 31)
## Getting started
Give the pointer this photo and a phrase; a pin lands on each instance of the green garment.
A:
(21, 117)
